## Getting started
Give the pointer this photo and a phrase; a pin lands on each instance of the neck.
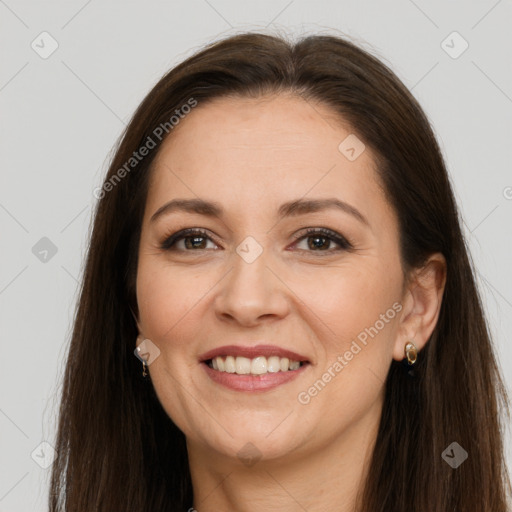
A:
(321, 478)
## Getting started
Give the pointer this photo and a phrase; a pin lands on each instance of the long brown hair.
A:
(117, 448)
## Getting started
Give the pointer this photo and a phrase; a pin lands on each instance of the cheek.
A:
(356, 311)
(347, 299)
(168, 312)
(164, 296)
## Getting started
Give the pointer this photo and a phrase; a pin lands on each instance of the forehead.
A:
(253, 151)
(269, 126)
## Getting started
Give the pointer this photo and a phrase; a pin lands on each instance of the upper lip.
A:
(252, 352)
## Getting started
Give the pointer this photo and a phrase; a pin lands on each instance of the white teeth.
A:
(273, 364)
(230, 365)
(242, 365)
(220, 364)
(294, 365)
(257, 366)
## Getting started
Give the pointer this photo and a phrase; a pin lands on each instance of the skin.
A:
(250, 156)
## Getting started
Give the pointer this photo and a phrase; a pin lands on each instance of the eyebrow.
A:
(288, 209)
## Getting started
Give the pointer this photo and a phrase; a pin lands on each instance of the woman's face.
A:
(259, 290)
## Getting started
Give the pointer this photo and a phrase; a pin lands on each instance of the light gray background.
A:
(62, 115)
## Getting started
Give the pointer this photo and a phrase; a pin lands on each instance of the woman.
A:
(278, 310)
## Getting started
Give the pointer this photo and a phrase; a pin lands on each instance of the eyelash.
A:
(344, 244)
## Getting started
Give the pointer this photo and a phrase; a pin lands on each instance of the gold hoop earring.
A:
(411, 353)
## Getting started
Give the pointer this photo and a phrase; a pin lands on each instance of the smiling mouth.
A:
(260, 365)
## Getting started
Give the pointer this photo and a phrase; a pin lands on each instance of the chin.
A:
(250, 440)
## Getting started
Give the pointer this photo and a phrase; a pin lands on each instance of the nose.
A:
(252, 292)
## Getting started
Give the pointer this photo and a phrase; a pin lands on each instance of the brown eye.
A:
(194, 239)
(321, 239)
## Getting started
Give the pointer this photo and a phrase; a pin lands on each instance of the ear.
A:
(422, 303)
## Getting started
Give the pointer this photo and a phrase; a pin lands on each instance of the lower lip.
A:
(263, 382)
